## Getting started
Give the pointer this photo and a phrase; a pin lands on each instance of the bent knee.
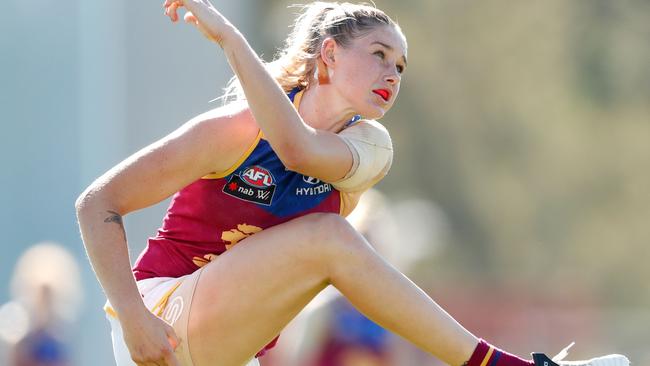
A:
(333, 234)
(325, 225)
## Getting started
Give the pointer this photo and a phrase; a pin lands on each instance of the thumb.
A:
(190, 18)
(173, 339)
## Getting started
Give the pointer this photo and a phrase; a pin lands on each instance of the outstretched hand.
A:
(203, 15)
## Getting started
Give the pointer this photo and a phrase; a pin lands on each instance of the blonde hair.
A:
(295, 64)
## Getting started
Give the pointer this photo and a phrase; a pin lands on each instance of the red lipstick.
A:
(384, 93)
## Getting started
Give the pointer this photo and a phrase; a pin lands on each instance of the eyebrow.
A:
(389, 48)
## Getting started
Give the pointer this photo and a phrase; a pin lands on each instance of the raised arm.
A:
(301, 148)
(209, 143)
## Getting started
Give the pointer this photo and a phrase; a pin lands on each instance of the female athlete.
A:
(255, 229)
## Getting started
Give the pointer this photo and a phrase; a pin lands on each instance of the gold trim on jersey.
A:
(297, 98)
(239, 161)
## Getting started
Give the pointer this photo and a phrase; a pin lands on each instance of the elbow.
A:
(293, 157)
(81, 202)
(84, 201)
(92, 199)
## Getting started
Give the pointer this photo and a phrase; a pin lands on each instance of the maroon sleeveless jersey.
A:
(209, 216)
(214, 213)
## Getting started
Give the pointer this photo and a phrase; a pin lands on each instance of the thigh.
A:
(248, 294)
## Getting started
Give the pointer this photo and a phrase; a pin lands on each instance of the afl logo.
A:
(310, 180)
(257, 176)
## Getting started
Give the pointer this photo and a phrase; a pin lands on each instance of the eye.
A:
(381, 54)
(400, 69)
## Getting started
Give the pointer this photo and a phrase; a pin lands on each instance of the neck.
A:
(322, 109)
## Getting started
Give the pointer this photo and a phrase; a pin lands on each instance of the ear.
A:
(327, 51)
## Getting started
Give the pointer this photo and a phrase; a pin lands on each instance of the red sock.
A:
(488, 355)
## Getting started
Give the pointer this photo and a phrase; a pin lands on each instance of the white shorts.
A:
(156, 294)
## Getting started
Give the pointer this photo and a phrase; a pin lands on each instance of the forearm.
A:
(273, 111)
(104, 238)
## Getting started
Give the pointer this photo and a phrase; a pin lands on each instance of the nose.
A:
(392, 78)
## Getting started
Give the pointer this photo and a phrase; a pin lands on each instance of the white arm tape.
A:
(372, 153)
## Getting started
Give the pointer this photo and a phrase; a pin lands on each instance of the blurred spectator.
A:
(46, 293)
(43, 345)
(351, 339)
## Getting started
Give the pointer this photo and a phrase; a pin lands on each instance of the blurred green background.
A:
(527, 124)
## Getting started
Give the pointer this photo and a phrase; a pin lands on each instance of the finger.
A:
(143, 363)
(172, 11)
(198, 8)
(190, 18)
(151, 362)
(159, 362)
(171, 360)
(167, 13)
(173, 339)
(167, 5)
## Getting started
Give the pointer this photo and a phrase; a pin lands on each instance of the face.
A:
(367, 73)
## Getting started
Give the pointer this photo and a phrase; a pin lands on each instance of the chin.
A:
(370, 111)
(375, 112)
(374, 116)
